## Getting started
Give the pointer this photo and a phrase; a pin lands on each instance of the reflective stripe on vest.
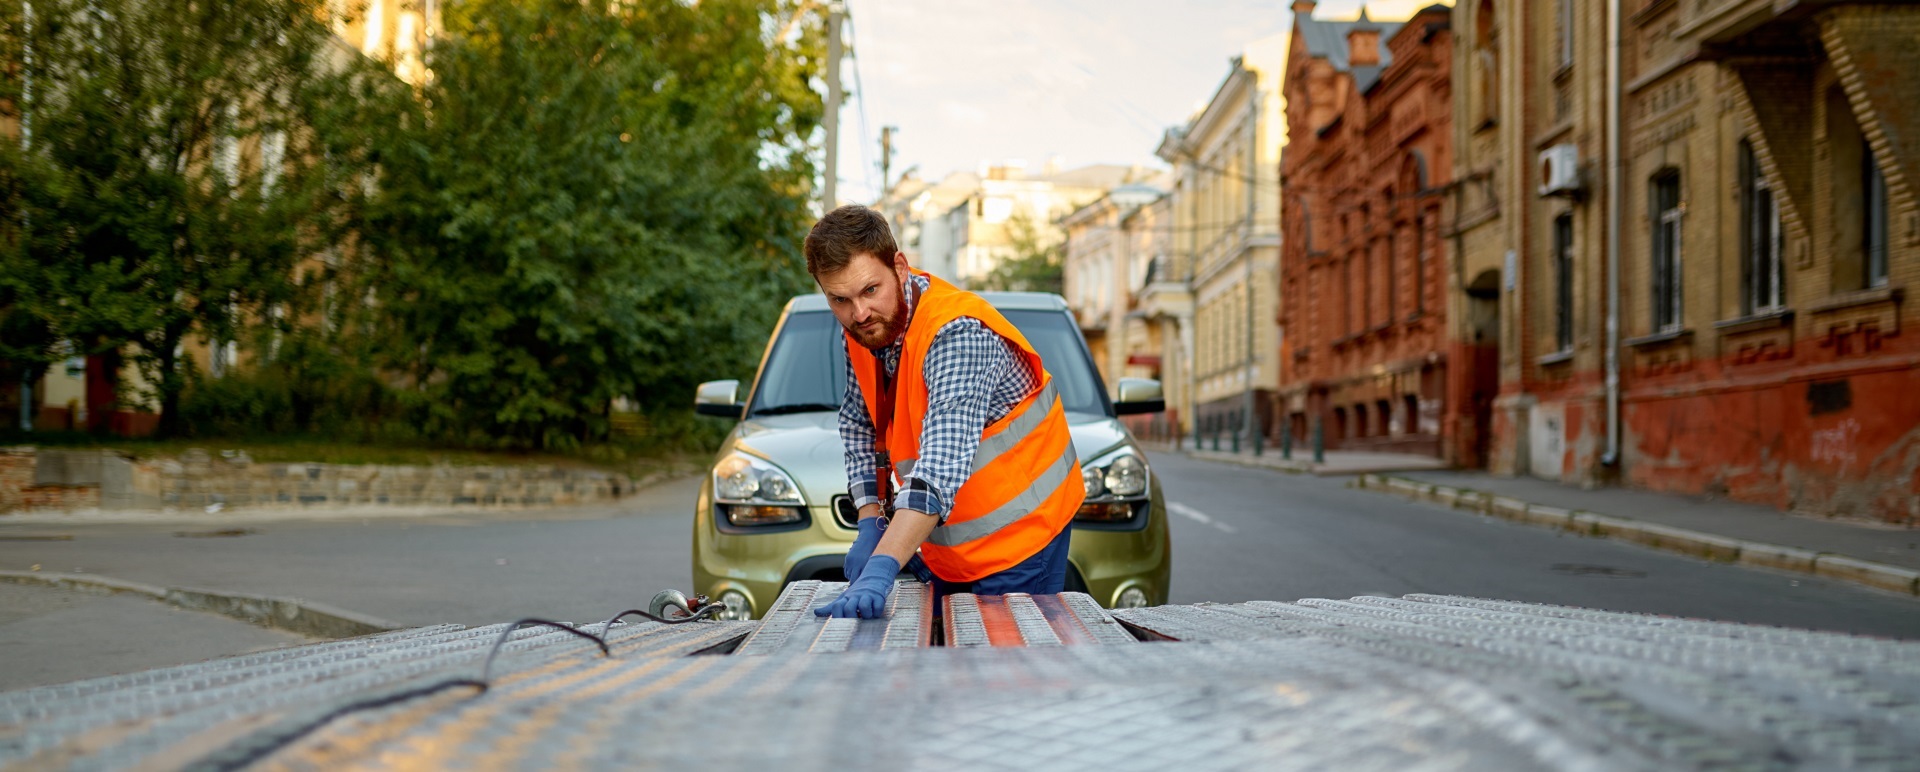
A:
(1028, 500)
(991, 447)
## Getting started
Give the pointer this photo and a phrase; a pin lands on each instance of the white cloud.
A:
(1097, 80)
(963, 113)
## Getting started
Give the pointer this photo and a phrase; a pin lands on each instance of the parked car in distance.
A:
(773, 508)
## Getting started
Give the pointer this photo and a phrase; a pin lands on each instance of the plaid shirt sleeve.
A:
(973, 379)
(857, 434)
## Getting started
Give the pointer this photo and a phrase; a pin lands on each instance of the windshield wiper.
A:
(799, 407)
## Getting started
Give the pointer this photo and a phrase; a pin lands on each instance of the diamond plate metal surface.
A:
(1420, 682)
(179, 713)
(791, 627)
(1019, 619)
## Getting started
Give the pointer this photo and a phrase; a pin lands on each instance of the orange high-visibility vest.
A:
(1025, 486)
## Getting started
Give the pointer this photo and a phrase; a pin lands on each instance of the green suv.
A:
(774, 509)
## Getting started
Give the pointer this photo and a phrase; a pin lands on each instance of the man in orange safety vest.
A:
(957, 446)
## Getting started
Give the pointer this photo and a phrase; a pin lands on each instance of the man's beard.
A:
(880, 331)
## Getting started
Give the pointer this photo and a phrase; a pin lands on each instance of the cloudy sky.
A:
(1090, 81)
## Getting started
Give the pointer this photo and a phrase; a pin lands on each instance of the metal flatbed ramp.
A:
(186, 713)
(1019, 619)
(1420, 683)
(790, 626)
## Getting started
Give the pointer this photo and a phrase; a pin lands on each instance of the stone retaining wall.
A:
(33, 479)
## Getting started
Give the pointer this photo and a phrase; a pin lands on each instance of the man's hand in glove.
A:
(866, 598)
(862, 548)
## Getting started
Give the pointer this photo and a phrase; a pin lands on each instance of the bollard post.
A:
(1319, 442)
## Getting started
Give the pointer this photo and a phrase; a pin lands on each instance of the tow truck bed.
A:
(1020, 682)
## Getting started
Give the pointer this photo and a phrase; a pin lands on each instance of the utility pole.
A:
(831, 172)
(26, 141)
(886, 159)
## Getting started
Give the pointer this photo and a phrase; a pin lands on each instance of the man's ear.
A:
(900, 267)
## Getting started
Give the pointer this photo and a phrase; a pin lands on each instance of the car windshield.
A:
(806, 371)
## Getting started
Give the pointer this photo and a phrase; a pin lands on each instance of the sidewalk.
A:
(1872, 554)
(50, 635)
(1334, 463)
(1880, 556)
(1732, 519)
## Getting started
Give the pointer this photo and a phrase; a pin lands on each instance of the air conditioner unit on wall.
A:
(1559, 169)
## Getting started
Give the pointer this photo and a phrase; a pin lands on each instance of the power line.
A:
(860, 96)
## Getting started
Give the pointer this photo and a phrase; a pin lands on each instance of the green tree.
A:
(1036, 262)
(173, 172)
(590, 201)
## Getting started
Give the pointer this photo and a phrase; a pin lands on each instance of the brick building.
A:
(1367, 353)
(1708, 299)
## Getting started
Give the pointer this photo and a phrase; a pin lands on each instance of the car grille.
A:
(844, 512)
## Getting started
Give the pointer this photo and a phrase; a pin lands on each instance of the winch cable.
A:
(705, 612)
(486, 671)
(235, 757)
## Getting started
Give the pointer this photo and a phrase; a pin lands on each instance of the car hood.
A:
(807, 446)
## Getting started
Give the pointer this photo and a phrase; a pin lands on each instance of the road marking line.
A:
(1186, 511)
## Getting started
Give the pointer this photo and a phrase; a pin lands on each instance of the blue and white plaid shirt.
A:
(974, 377)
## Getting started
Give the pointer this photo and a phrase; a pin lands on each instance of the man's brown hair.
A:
(850, 230)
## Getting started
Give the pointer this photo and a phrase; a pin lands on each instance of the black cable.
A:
(242, 757)
(245, 756)
(701, 614)
(486, 671)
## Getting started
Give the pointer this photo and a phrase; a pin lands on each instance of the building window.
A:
(1762, 271)
(1667, 213)
(1411, 413)
(1566, 33)
(1346, 294)
(1486, 60)
(1874, 203)
(1420, 262)
(1563, 282)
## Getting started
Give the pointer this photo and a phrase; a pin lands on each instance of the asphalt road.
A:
(1239, 534)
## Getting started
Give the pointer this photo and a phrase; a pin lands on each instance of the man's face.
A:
(867, 297)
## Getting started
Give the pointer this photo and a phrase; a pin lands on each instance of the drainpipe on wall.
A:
(1254, 431)
(1614, 177)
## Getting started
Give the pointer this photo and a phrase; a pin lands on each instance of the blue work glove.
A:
(866, 598)
(862, 548)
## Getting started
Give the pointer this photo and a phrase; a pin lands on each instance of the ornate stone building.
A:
(1225, 213)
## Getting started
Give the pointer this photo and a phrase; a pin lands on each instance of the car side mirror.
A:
(1139, 395)
(718, 398)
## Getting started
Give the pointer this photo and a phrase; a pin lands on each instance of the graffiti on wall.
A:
(1836, 444)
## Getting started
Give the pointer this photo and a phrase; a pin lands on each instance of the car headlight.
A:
(1116, 486)
(735, 606)
(754, 492)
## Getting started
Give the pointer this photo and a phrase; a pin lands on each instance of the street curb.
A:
(1662, 537)
(1261, 462)
(295, 616)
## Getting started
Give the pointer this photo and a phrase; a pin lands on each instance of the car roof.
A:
(1005, 301)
